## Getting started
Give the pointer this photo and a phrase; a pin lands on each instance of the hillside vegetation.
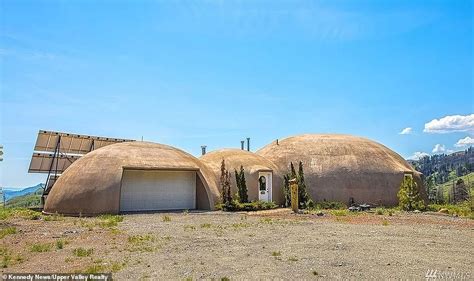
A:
(26, 201)
(445, 176)
(442, 167)
(468, 179)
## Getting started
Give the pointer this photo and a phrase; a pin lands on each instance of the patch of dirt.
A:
(255, 245)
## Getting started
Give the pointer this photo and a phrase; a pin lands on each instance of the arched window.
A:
(262, 183)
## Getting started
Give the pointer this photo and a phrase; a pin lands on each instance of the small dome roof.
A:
(234, 158)
(91, 185)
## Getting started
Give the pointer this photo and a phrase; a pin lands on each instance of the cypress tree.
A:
(222, 182)
(225, 184)
(238, 182)
(286, 190)
(227, 187)
(244, 197)
(303, 197)
(292, 171)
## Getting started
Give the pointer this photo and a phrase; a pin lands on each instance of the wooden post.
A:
(294, 195)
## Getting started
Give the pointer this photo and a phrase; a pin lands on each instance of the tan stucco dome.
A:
(338, 167)
(234, 158)
(91, 185)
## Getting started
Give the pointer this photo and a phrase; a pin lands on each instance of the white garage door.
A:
(144, 190)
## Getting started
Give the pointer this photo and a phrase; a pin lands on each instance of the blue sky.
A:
(188, 73)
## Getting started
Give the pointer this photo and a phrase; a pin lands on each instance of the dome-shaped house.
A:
(262, 183)
(143, 176)
(133, 176)
(343, 167)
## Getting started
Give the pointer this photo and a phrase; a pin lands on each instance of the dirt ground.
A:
(263, 245)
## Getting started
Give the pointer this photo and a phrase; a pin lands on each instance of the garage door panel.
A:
(144, 190)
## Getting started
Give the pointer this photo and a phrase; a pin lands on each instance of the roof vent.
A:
(248, 144)
(203, 149)
(242, 143)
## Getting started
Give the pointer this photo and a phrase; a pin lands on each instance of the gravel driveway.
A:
(249, 246)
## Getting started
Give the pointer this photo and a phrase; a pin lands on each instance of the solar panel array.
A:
(72, 143)
(44, 162)
(56, 151)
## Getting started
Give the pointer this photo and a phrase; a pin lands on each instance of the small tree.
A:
(286, 190)
(225, 184)
(431, 188)
(439, 195)
(409, 195)
(291, 175)
(460, 191)
(244, 197)
(241, 185)
(292, 171)
(303, 196)
(304, 199)
(237, 182)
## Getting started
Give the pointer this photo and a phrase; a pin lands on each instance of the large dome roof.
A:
(91, 185)
(338, 167)
(331, 153)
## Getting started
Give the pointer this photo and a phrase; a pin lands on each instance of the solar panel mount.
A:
(54, 152)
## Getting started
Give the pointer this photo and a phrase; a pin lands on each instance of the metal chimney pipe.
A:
(248, 144)
(203, 149)
(242, 144)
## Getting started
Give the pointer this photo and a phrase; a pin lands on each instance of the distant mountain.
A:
(11, 193)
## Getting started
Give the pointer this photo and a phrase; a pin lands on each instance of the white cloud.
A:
(467, 141)
(418, 155)
(439, 148)
(406, 131)
(449, 124)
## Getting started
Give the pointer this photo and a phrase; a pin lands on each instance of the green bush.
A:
(235, 206)
(60, 243)
(53, 217)
(276, 253)
(93, 269)
(141, 243)
(6, 257)
(331, 205)
(81, 252)
(7, 231)
(340, 213)
(110, 220)
(461, 209)
(379, 211)
(141, 239)
(6, 213)
(40, 248)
